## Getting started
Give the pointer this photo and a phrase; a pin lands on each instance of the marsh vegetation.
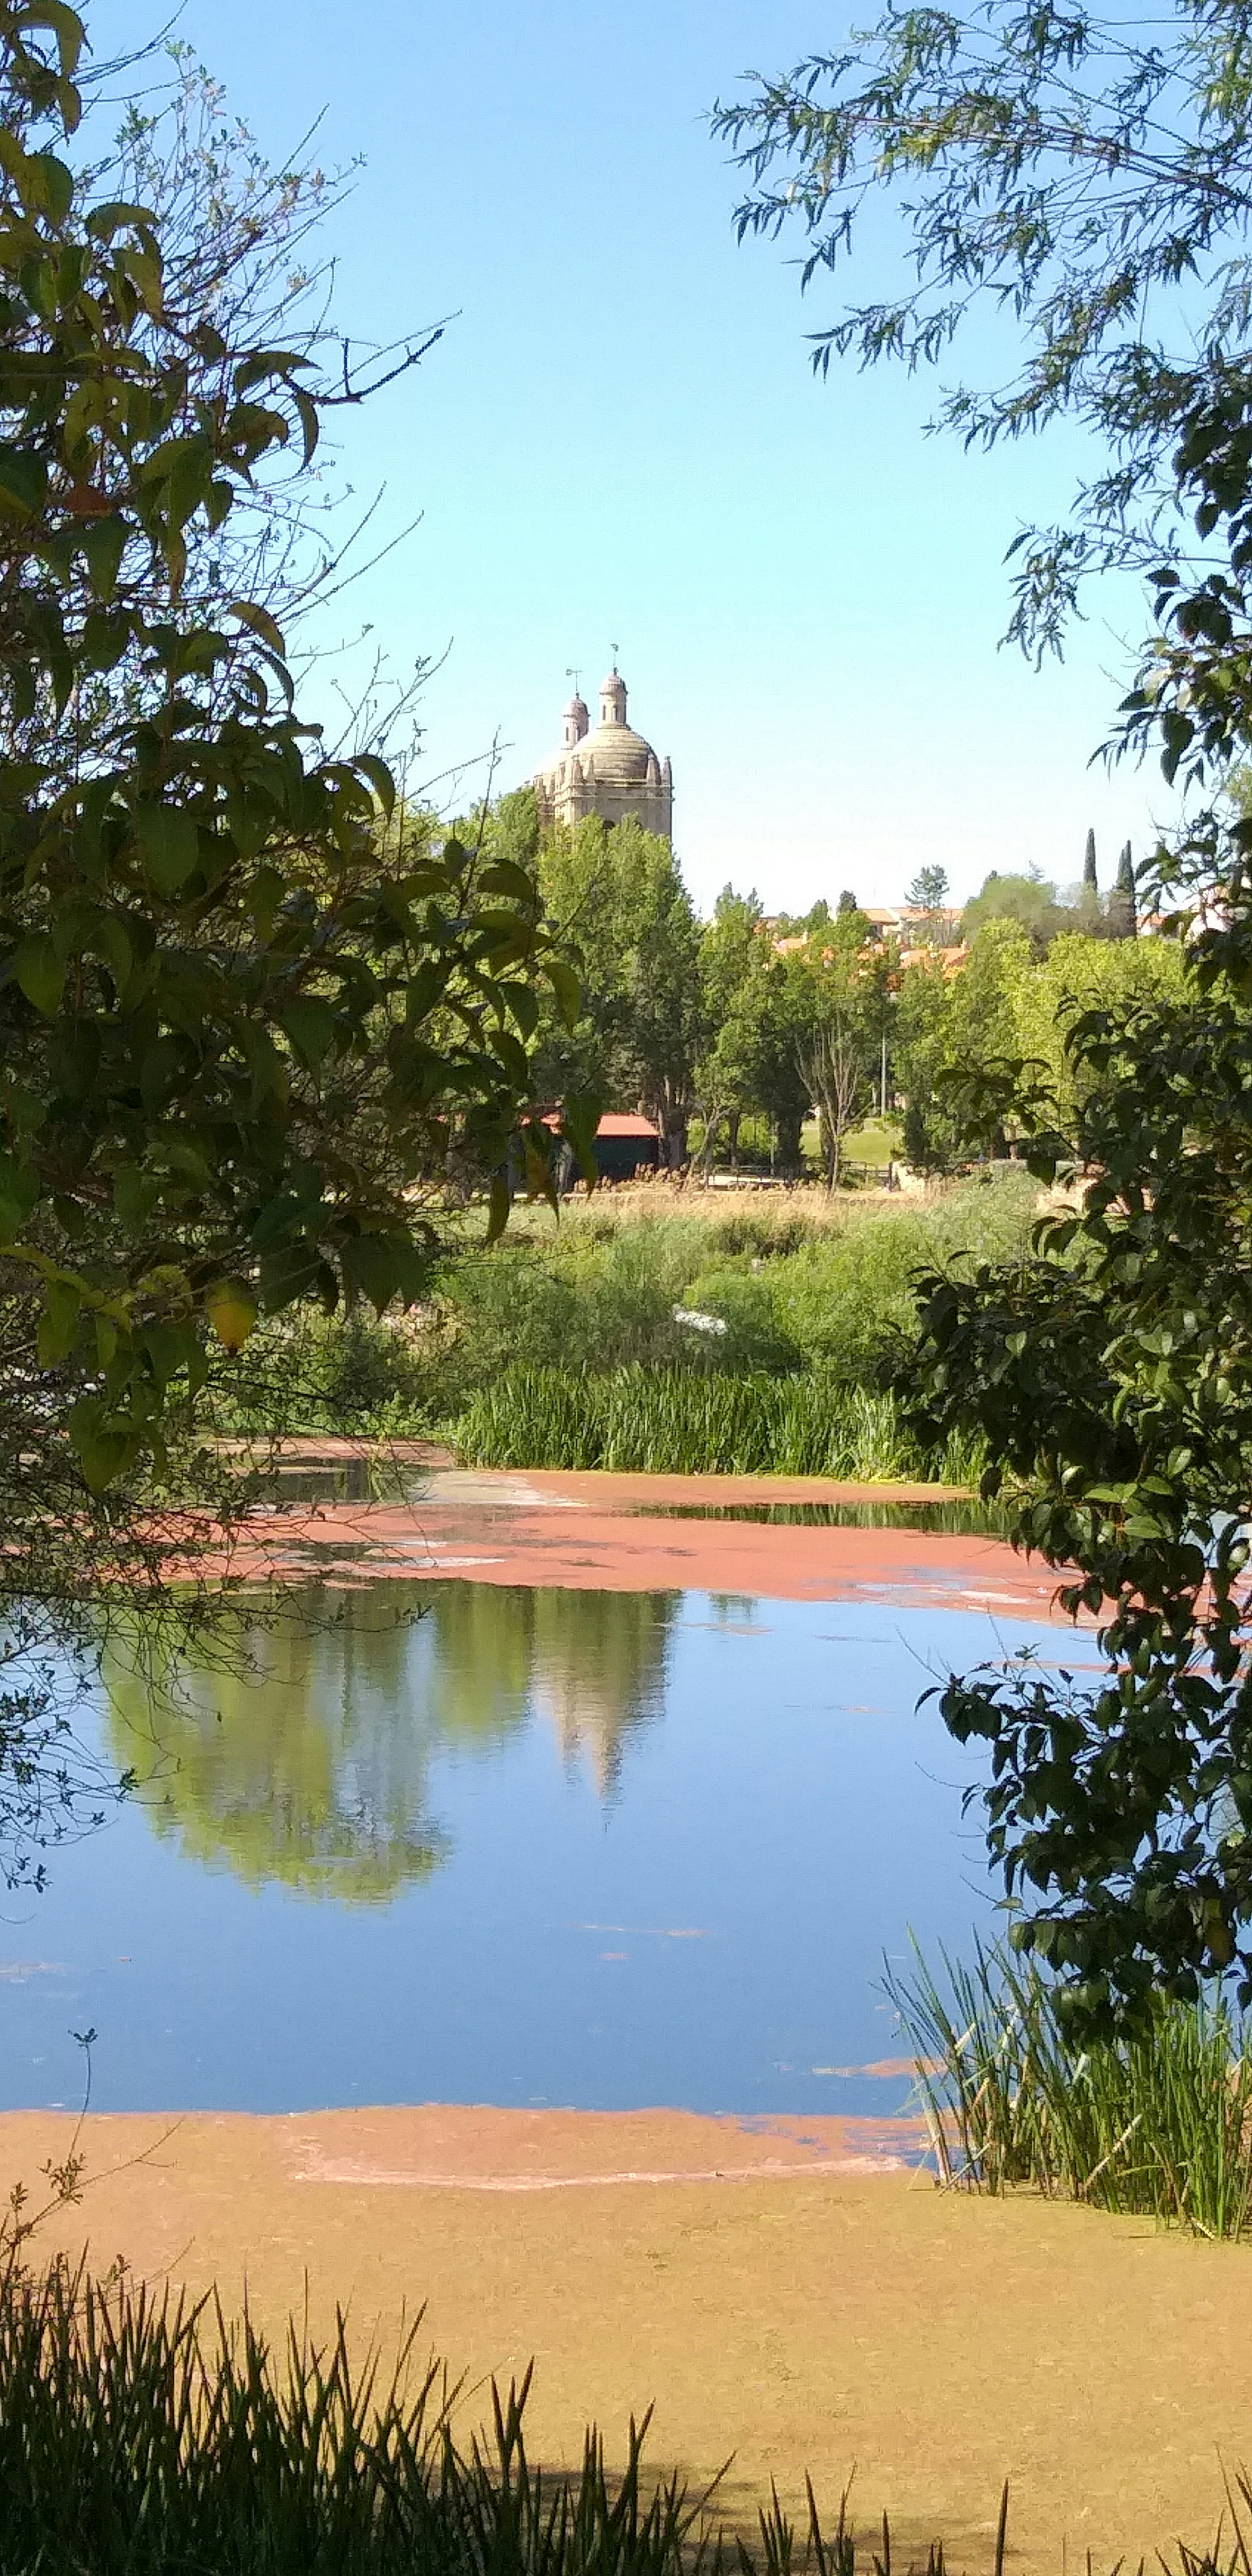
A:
(1156, 2124)
(757, 1339)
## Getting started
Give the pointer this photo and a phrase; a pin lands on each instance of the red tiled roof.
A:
(614, 1123)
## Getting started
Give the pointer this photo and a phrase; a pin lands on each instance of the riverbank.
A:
(828, 2320)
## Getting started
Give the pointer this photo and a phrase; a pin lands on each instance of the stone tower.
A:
(608, 770)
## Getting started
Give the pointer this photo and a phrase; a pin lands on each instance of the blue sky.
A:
(619, 440)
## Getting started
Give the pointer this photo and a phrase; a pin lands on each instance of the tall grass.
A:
(1158, 2125)
(673, 1422)
(144, 2437)
(600, 1292)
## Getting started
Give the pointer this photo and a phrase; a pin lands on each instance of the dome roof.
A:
(577, 706)
(616, 754)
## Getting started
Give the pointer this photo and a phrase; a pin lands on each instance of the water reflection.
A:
(302, 1752)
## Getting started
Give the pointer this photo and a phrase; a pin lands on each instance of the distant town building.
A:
(607, 770)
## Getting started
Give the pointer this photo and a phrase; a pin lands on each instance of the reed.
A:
(674, 1422)
(140, 2436)
(1159, 2124)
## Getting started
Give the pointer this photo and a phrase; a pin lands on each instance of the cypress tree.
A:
(1123, 918)
(1089, 876)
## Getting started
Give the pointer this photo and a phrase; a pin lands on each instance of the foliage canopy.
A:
(1094, 180)
(244, 1012)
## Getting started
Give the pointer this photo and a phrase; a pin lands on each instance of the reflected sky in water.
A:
(605, 1850)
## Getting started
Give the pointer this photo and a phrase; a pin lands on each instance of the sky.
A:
(618, 445)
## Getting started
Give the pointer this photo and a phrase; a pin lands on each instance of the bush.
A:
(311, 1373)
(601, 1294)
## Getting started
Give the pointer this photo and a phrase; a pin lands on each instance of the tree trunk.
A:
(789, 1126)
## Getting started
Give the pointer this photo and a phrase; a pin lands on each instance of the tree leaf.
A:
(169, 844)
(259, 622)
(23, 480)
(311, 1026)
(40, 971)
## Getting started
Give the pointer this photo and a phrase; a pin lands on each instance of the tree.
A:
(664, 1027)
(1123, 917)
(733, 953)
(1071, 171)
(1089, 876)
(928, 895)
(834, 1069)
(1077, 174)
(1028, 900)
(951, 1021)
(1079, 975)
(923, 1054)
(247, 1013)
(617, 897)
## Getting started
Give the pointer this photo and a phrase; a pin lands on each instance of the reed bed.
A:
(141, 2436)
(1159, 2124)
(650, 1421)
(149, 2436)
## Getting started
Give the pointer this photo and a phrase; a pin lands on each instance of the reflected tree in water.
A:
(304, 1754)
(302, 1757)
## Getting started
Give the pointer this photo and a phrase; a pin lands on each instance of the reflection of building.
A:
(609, 770)
(599, 1671)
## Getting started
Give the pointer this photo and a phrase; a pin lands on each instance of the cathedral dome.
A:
(617, 754)
(609, 769)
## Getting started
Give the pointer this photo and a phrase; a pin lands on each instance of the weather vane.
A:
(576, 677)
(616, 650)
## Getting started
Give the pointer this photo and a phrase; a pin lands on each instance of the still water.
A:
(604, 1850)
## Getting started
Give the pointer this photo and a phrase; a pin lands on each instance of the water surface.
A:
(606, 1850)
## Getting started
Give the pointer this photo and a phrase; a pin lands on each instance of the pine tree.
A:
(1089, 876)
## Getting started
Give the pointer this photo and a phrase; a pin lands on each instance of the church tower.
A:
(609, 770)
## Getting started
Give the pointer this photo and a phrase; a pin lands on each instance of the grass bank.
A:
(1157, 2126)
(673, 1422)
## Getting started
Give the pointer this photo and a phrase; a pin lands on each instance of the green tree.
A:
(1071, 170)
(928, 895)
(734, 952)
(953, 1022)
(1029, 900)
(1079, 975)
(779, 1019)
(1123, 914)
(923, 1055)
(242, 1013)
(617, 897)
(1076, 173)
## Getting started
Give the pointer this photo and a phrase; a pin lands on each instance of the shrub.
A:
(327, 1373)
(601, 1294)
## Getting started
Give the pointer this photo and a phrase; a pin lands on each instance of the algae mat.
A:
(777, 2300)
